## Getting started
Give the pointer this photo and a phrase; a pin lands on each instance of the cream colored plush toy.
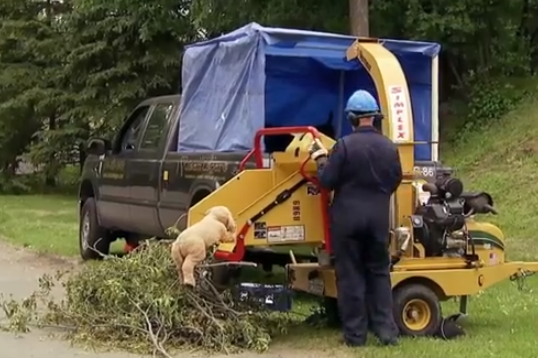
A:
(190, 247)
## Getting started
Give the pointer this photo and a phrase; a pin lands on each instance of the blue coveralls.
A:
(363, 169)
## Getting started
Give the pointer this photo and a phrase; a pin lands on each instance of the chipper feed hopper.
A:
(438, 250)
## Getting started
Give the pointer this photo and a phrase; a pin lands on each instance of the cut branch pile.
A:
(136, 302)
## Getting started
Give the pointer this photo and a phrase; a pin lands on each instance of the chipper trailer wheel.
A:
(417, 310)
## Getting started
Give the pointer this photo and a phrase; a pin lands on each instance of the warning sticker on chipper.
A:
(291, 233)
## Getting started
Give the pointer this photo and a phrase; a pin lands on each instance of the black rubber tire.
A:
(403, 295)
(96, 237)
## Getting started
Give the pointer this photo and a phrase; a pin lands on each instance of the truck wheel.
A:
(93, 241)
(417, 310)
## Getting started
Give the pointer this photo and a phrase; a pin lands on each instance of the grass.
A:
(501, 160)
(44, 223)
(47, 224)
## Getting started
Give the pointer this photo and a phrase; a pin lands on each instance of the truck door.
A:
(113, 206)
(145, 171)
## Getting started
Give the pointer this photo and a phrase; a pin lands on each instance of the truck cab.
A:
(120, 184)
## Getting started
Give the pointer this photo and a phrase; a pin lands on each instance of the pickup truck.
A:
(123, 193)
(138, 185)
(123, 189)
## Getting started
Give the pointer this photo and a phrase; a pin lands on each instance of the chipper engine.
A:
(440, 224)
(438, 249)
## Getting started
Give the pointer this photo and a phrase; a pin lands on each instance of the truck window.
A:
(134, 126)
(156, 125)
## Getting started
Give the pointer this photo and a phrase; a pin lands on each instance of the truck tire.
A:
(93, 241)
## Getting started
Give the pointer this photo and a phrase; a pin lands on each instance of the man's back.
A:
(372, 169)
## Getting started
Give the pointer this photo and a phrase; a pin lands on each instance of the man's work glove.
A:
(317, 150)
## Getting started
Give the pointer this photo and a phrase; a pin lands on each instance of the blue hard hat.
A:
(362, 101)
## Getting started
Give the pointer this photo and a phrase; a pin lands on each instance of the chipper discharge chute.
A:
(438, 250)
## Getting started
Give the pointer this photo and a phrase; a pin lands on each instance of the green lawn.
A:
(45, 223)
(503, 160)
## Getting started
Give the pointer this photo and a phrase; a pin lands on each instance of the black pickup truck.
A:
(138, 185)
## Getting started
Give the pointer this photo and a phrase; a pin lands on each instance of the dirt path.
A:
(19, 272)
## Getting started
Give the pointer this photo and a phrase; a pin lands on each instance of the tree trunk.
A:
(51, 167)
(358, 18)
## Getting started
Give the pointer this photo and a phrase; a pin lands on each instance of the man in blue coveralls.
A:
(364, 170)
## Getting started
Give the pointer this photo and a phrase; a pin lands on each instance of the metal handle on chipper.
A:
(278, 131)
(257, 150)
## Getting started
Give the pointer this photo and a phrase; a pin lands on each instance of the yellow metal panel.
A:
(486, 228)
(451, 281)
(237, 194)
(297, 152)
(300, 209)
(391, 87)
(251, 191)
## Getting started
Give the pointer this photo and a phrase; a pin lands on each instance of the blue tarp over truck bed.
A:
(255, 76)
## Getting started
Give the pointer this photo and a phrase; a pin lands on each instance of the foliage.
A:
(31, 180)
(21, 184)
(89, 63)
(135, 302)
(220, 16)
(489, 99)
(122, 51)
(485, 44)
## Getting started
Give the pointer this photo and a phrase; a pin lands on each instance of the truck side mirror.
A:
(97, 146)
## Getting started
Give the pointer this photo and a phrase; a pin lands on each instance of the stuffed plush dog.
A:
(190, 247)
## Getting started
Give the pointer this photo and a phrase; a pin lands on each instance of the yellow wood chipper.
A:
(438, 249)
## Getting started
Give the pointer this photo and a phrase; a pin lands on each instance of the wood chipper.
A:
(438, 249)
